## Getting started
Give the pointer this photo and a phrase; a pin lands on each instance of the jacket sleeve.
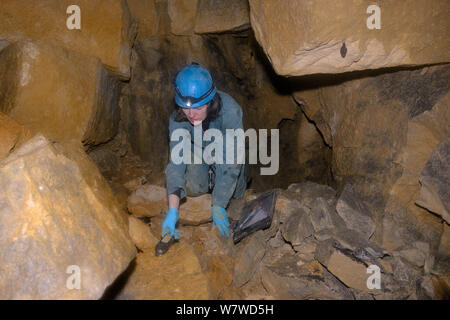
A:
(227, 174)
(175, 173)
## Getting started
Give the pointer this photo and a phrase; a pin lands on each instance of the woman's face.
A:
(196, 115)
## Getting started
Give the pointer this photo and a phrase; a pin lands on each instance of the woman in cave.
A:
(199, 103)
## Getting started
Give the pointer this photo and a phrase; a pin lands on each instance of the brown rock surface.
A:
(141, 235)
(12, 135)
(106, 28)
(307, 37)
(351, 273)
(176, 275)
(435, 181)
(60, 93)
(220, 16)
(55, 215)
(380, 145)
(144, 11)
(182, 16)
(150, 201)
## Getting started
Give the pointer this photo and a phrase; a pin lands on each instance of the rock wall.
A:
(60, 93)
(309, 37)
(107, 30)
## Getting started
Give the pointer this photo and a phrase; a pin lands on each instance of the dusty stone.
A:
(355, 213)
(441, 264)
(176, 275)
(309, 191)
(62, 94)
(248, 260)
(217, 16)
(297, 227)
(321, 216)
(12, 135)
(306, 250)
(311, 39)
(141, 235)
(148, 200)
(404, 272)
(289, 279)
(416, 254)
(350, 272)
(182, 16)
(435, 182)
(107, 30)
(58, 212)
(219, 272)
(146, 15)
(196, 210)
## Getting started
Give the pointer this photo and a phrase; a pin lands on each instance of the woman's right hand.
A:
(168, 225)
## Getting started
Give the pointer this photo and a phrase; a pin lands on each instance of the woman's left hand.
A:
(220, 219)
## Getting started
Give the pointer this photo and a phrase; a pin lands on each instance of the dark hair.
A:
(213, 107)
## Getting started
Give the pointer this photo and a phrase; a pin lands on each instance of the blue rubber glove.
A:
(220, 219)
(168, 225)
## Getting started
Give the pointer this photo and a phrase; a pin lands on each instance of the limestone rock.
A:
(442, 261)
(63, 94)
(148, 201)
(176, 275)
(380, 146)
(350, 272)
(196, 210)
(54, 216)
(297, 227)
(355, 213)
(182, 16)
(415, 254)
(12, 135)
(248, 261)
(307, 193)
(332, 36)
(144, 11)
(141, 235)
(435, 182)
(220, 16)
(106, 32)
(288, 278)
(321, 216)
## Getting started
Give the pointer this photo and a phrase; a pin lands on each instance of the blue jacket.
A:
(226, 175)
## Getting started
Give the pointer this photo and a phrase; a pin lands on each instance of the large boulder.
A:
(329, 36)
(60, 223)
(106, 32)
(220, 16)
(61, 93)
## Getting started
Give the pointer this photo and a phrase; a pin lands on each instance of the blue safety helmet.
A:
(194, 87)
